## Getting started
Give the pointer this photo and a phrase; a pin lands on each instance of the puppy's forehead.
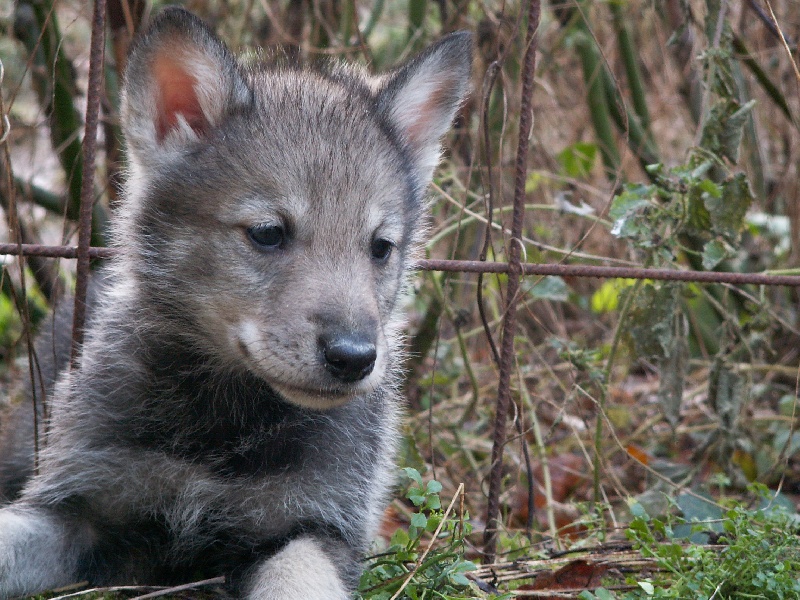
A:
(321, 140)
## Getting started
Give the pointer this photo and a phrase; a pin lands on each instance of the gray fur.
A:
(209, 427)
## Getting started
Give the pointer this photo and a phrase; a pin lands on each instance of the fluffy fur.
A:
(235, 407)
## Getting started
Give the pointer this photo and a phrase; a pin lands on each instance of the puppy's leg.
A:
(38, 551)
(304, 569)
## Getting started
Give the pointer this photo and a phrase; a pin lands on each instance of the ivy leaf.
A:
(729, 209)
(731, 135)
(672, 368)
(652, 318)
(714, 252)
(627, 209)
(726, 393)
(547, 288)
(699, 217)
(699, 507)
(722, 131)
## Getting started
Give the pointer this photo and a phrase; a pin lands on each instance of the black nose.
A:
(349, 357)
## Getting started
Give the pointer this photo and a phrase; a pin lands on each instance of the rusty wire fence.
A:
(515, 268)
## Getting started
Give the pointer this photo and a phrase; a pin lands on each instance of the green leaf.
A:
(723, 128)
(399, 538)
(550, 287)
(714, 252)
(637, 510)
(534, 180)
(698, 216)
(696, 508)
(433, 502)
(606, 298)
(729, 210)
(604, 594)
(433, 522)
(647, 587)
(413, 475)
(633, 197)
(731, 135)
(726, 394)
(577, 159)
(652, 319)
(627, 210)
(434, 487)
(709, 187)
(419, 520)
(672, 369)
(788, 405)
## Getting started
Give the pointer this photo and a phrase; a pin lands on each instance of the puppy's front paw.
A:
(32, 557)
(301, 570)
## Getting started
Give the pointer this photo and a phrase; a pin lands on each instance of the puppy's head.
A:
(271, 211)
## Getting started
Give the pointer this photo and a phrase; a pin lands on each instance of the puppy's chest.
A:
(249, 451)
(233, 429)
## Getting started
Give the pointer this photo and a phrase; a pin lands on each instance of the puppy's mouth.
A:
(311, 398)
(328, 395)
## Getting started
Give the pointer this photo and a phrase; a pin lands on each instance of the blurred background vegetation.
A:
(666, 134)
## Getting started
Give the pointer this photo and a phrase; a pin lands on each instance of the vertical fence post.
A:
(94, 92)
(514, 277)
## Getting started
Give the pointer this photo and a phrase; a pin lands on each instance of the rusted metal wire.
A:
(53, 251)
(94, 92)
(475, 266)
(514, 270)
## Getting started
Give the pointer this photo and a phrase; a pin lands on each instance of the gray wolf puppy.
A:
(236, 402)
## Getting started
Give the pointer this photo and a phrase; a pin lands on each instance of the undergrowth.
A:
(427, 559)
(744, 553)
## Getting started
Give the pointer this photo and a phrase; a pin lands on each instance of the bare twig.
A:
(182, 588)
(785, 43)
(769, 20)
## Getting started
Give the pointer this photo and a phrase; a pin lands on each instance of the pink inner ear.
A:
(177, 95)
(426, 115)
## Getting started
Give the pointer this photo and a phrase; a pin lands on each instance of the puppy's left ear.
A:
(421, 98)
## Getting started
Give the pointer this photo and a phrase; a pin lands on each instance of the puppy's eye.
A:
(381, 249)
(267, 237)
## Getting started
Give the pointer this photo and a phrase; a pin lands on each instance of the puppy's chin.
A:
(314, 400)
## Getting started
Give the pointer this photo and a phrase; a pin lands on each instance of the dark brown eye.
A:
(267, 237)
(381, 249)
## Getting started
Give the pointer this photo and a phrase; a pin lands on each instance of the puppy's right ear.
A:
(181, 82)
